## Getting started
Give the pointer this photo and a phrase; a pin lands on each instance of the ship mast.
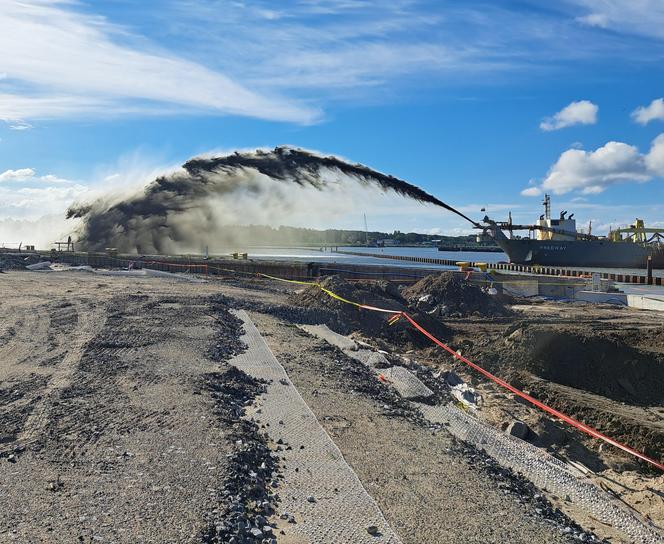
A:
(547, 207)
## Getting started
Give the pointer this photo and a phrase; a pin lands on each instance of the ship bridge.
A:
(563, 228)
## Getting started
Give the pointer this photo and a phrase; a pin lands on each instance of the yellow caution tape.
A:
(337, 297)
(286, 281)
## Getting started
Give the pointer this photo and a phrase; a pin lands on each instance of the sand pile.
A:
(599, 363)
(449, 294)
(345, 318)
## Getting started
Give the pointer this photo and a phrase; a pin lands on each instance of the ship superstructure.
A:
(557, 242)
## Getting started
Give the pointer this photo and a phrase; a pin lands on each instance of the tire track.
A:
(68, 336)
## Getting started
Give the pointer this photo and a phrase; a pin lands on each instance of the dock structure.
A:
(645, 278)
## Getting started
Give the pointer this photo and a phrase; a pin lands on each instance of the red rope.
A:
(581, 426)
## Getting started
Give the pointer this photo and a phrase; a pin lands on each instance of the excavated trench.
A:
(601, 364)
(602, 378)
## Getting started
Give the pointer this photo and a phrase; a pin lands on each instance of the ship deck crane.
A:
(509, 226)
(638, 232)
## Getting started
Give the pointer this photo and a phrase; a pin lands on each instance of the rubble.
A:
(346, 318)
(228, 329)
(17, 261)
(449, 294)
(247, 497)
(518, 429)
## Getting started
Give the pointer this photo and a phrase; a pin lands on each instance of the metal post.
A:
(649, 267)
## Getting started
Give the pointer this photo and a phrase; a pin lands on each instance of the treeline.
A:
(264, 235)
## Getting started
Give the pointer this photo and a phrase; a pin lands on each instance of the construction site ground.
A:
(111, 427)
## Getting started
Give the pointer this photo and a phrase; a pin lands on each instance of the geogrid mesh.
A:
(405, 383)
(320, 489)
(544, 470)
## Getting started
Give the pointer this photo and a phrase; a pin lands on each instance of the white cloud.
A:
(29, 176)
(582, 112)
(326, 47)
(644, 114)
(34, 202)
(595, 19)
(20, 125)
(25, 195)
(17, 175)
(591, 172)
(655, 158)
(640, 17)
(58, 60)
(531, 191)
(68, 63)
(340, 50)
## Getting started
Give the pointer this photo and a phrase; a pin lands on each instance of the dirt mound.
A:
(645, 338)
(598, 377)
(598, 363)
(449, 294)
(345, 318)
(12, 262)
(17, 261)
(380, 294)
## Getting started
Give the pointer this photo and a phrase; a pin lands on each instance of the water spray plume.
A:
(174, 211)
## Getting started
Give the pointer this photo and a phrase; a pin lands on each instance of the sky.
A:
(484, 104)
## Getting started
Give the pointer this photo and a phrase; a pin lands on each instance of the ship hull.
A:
(576, 253)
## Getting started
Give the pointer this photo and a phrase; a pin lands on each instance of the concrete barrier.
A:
(645, 302)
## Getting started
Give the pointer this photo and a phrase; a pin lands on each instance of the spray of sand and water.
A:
(196, 205)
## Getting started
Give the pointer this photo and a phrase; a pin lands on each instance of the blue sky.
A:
(476, 102)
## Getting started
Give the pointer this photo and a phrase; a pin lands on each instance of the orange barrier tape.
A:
(567, 419)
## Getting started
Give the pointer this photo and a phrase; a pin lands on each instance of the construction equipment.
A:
(637, 232)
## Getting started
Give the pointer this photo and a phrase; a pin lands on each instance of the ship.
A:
(557, 242)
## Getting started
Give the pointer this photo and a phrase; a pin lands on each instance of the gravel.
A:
(518, 488)
(358, 378)
(228, 329)
(247, 497)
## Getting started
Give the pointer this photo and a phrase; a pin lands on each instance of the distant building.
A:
(386, 242)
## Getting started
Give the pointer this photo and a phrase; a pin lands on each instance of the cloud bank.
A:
(582, 112)
(60, 62)
(591, 172)
(638, 17)
(17, 175)
(25, 195)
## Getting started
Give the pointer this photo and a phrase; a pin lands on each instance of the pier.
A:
(644, 278)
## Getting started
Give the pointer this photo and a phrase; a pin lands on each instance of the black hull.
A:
(578, 253)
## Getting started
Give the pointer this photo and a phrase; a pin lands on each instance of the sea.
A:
(327, 256)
